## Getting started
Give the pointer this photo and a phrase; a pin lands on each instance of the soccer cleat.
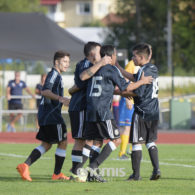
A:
(23, 169)
(78, 178)
(124, 157)
(155, 175)
(134, 178)
(94, 176)
(60, 176)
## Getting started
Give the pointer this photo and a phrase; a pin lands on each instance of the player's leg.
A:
(60, 156)
(137, 136)
(152, 149)
(106, 130)
(23, 168)
(77, 121)
(95, 150)
(59, 135)
(153, 153)
(77, 159)
(124, 141)
(136, 157)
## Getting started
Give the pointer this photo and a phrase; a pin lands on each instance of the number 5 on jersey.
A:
(96, 88)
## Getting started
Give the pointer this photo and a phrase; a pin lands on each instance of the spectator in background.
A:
(38, 90)
(15, 88)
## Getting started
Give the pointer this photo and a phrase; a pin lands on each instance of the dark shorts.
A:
(143, 131)
(77, 122)
(52, 133)
(101, 130)
(12, 106)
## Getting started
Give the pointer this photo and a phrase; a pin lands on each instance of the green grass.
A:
(177, 163)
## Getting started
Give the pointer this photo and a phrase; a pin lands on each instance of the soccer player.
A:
(100, 123)
(77, 107)
(146, 114)
(52, 127)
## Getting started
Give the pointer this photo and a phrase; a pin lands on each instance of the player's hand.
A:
(146, 80)
(106, 60)
(65, 101)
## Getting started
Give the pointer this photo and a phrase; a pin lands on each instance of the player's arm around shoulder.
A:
(88, 73)
(143, 81)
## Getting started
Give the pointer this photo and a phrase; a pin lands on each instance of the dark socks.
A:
(76, 160)
(35, 154)
(104, 154)
(59, 160)
(153, 152)
(136, 157)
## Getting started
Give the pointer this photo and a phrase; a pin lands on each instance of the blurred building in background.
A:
(75, 13)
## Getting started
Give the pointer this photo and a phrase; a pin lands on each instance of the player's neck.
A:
(55, 67)
(144, 63)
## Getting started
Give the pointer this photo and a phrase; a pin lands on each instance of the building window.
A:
(83, 8)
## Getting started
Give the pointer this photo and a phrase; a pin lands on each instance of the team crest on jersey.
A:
(13, 84)
(21, 84)
(116, 132)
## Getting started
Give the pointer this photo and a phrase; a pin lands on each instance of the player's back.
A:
(100, 92)
(146, 101)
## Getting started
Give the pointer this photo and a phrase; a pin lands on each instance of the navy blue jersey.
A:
(78, 99)
(50, 110)
(100, 92)
(146, 101)
(16, 89)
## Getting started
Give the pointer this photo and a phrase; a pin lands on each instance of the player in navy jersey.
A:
(52, 127)
(91, 63)
(100, 122)
(146, 114)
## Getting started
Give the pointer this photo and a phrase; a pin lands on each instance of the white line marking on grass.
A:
(20, 156)
(161, 163)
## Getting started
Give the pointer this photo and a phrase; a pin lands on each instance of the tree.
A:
(146, 21)
(21, 6)
(184, 35)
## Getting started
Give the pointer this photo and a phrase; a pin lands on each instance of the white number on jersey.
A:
(96, 86)
(155, 88)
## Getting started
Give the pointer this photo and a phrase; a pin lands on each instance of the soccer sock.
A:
(104, 154)
(95, 151)
(124, 143)
(86, 153)
(76, 160)
(153, 152)
(35, 154)
(59, 160)
(136, 157)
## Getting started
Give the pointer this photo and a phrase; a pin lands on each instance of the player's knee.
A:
(117, 142)
(62, 144)
(89, 142)
(136, 147)
(149, 145)
(98, 143)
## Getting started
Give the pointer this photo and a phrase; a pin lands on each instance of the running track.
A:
(164, 137)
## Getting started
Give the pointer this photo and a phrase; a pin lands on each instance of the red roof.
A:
(112, 18)
(49, 2)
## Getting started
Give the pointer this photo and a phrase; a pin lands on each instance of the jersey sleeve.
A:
(118, 79)
(49, 81)
(81, 84)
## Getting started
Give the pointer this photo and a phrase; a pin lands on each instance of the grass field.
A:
(177, 163)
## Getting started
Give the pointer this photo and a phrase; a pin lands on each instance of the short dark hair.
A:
(107, 50)
(60, 54)
(143, 49)
(89, 47)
